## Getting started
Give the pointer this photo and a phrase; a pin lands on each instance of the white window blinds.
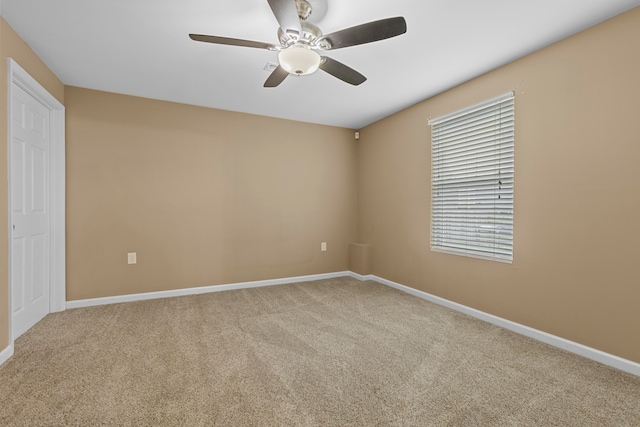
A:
(472, 180)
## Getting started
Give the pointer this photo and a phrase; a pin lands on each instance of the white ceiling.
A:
(142, 48)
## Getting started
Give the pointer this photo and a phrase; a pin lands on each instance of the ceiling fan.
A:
(302, 42)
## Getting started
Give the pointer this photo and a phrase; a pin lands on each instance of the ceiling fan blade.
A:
(231, 42)
(341, 71)
(367, 33)
(277, 76)
(286, 14)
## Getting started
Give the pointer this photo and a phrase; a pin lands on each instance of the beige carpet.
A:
(333, 353)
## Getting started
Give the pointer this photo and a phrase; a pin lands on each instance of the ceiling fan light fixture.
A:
(299, 60)
(301, 40)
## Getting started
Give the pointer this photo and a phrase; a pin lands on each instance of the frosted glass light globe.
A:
(299, 60)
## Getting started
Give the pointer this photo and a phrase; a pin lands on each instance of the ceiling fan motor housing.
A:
(311, 36)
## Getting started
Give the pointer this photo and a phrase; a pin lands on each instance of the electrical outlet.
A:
(132, 258)
(323, 246)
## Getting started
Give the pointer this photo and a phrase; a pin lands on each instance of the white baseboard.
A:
(6, 354)
(573, 347)
(200, 290)
(360, 276)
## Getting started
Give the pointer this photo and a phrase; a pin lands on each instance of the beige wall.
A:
(577, 193)
(203, 196)
(12, 46)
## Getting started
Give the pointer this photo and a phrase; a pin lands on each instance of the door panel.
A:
(38, 275)
(17, 176)
(17, 274)
(38, 180)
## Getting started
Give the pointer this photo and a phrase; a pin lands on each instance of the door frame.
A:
(57, 258)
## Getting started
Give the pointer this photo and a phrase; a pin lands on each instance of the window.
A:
(472, 180)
